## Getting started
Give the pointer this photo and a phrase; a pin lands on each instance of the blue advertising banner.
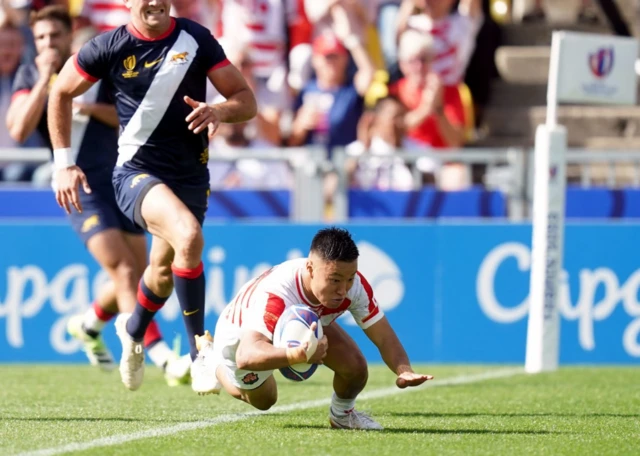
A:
(453, 292)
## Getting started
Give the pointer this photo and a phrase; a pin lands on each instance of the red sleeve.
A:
(453, 107)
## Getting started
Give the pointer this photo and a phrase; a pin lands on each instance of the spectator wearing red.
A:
(436, 116)
(103, 15)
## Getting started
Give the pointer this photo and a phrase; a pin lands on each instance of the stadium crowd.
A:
(371, 76)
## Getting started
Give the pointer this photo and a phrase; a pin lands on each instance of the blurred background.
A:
(412, 122)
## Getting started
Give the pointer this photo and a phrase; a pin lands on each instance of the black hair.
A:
(335, 244)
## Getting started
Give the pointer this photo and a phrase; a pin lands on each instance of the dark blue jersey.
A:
(94, 143)
(150, 79)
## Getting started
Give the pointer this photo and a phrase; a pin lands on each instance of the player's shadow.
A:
(408, 430)
(512, 415)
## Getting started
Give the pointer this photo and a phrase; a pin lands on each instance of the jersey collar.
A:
(135, 32)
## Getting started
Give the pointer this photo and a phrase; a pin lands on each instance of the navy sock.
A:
(146, 307)
(190, 288)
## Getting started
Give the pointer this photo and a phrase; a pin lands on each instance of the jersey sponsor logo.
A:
(250, 378)
(179, 58)
(136, 180)
(129, 65)
(151, 64)
(204, 156)
(90, 223)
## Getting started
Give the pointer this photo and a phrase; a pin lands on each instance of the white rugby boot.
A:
(203, 369)
(177, 371)
(94, 347)
(132, 361)
(353, 420)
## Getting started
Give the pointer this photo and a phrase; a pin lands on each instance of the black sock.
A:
(190, 288)
(146, 307)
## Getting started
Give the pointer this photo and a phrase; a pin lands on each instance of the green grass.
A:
(573, 411)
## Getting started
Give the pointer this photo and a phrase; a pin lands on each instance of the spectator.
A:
(11, 44)
(262, 132)
(436, 113)
(453, 34)
(385, 137)
(103, 15)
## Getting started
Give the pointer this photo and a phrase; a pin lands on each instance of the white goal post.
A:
(587, 69)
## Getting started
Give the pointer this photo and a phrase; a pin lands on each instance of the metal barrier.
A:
(508, 170)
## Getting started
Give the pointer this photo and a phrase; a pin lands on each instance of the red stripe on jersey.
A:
(371, 315)
(255, 27)
(109, 7)
(81, 72)
(20, 92)
(275, 307)
(453, 50)
(219, 65)
(265, 46)
(373, 307)
(300, 290)
(344, 305)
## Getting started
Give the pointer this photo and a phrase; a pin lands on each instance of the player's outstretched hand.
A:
(67, 181)
(411, 379)
(201, 117)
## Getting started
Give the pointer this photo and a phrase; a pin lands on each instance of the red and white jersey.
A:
(259, 304)
(454, 41)
(262, 26)
(105, 15)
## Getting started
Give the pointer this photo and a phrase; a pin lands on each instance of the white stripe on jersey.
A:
(157, 99)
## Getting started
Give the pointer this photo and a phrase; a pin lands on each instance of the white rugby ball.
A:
(292, 327)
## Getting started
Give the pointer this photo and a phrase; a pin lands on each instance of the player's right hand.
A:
(47, 62)
(305, 352)
(67, 181)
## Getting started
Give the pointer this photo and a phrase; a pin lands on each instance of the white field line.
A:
(230, 418)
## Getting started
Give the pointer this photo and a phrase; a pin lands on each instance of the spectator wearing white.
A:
(103, 15)
(454, 33)
(272, 31)
(385, 137)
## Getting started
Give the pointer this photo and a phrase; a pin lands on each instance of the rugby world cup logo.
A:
(601, 62)
(129, 65)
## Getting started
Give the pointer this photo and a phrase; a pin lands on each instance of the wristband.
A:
(63, 158)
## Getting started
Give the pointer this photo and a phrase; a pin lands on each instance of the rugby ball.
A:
(293, 325)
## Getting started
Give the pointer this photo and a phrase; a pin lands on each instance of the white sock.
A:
(341, 407)
(91, 322)
(160, 353)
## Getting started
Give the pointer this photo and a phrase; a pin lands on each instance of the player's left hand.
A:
(202, 117)
(411, 379)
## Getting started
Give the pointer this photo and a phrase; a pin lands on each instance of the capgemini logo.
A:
(384, 276)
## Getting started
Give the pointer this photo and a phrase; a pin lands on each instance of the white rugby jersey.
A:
(262, 26)
(259, 303)
(454, 40)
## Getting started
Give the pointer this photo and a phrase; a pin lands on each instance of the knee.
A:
(264, 403)
(358, 372)
(190, 242)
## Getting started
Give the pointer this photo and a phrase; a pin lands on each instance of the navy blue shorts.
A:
(100, 212)
(132, 185)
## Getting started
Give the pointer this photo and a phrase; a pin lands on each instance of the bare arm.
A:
(256, 352)
(269, 125)
(453, 135)
(394, 354)
(471, 8)
(105, 113)
(26, 110)
(68, 85)
(240, 104)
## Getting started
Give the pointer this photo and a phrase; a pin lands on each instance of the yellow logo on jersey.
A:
(90, 223)
(136, 180)
(150, 64)
(204, 156)
(129, 65)
(179, 58)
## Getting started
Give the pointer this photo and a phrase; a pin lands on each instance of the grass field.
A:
(49, 410)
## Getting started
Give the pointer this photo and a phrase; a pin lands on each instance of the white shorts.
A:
(225, 346)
